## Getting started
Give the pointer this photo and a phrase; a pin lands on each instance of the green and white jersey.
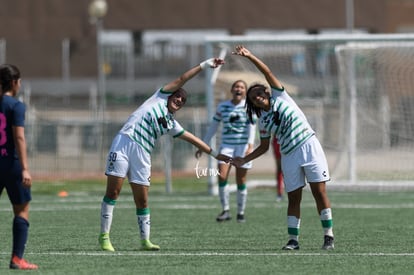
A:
(237, 129)
(286, 121)
(152, 120)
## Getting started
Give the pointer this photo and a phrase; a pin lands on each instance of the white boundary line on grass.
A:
(342, 185)
(79, 207)
(202, 254)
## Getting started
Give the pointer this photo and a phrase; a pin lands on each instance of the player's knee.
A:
(112, 194)
(142, 203)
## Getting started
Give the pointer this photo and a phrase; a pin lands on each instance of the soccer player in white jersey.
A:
(302, 155)
(237, 140)
(130, 152)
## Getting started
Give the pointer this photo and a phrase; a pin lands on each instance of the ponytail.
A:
(8, 73)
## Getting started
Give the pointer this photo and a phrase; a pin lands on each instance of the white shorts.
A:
(235, 151)
(308, 161)
(126, 158)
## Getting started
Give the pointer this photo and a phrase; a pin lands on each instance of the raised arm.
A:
(263, 68)
(182, 79)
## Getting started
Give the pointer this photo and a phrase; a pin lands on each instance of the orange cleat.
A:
(17, 263)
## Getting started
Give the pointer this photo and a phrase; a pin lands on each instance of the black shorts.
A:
(11, 180)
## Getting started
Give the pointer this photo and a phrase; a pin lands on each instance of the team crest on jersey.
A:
(276, 118)
(167, 122)
(162, 121)
(234, 117)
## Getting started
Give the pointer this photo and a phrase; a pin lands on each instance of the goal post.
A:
(211, 78)
(377, 77)
(357, 91)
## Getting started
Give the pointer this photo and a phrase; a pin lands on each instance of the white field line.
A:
(44, 204)
(343, 185)
(203, 254)
(82, 201)
(78, 206)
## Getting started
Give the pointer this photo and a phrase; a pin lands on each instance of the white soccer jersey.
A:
(286, 121)
(152, 120)
(237, 129)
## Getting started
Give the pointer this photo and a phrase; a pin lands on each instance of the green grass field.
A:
(373, 233)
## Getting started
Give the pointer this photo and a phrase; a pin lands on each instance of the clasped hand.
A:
(238, 161)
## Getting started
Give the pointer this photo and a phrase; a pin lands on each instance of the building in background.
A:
(38, 30)
(77, 101)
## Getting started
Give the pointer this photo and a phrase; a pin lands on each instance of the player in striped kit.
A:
(130, 152)
(237, 140)
(302, 155)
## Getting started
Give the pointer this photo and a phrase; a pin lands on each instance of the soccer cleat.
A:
(17, 263)
(105, 242)
(279, 198)
(291, 245)
(328, 243)
(240, 218)
(224, 216)
(149, 246)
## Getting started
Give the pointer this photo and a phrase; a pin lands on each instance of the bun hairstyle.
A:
(8, 73)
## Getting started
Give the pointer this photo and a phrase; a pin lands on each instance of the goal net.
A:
(377, 96)
(356, 90)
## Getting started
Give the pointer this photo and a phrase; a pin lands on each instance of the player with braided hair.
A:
(302, 154)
